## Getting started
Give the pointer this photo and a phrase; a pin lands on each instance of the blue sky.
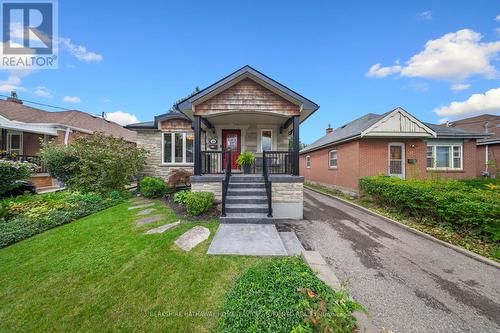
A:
(140, 57)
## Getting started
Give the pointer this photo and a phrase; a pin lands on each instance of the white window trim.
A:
(183, 163)
(330, 166)
(21, 143)
(308, 162)
(260, 138)
(403, 159)
(450, 162)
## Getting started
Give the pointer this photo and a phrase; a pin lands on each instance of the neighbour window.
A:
(308, 161)
(177, 148)
(266, 139)
(15, 143)
(444, 157)
(332, 160)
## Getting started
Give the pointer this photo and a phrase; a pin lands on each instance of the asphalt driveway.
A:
(407, 282)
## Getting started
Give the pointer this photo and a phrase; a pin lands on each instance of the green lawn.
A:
(101, 273)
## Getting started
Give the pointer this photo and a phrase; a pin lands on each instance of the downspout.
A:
(66, 136)
(486, 157)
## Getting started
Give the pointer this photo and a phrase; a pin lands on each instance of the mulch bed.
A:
(180, 210)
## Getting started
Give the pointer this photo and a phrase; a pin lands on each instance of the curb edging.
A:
(456, 248)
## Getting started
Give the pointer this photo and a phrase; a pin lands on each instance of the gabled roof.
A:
(248, 72)
(72, 118)
(356, 128)
(154, 124)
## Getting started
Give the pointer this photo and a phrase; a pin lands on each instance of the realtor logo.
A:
(29, 34)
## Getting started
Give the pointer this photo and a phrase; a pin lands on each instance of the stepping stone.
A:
(193, 237)
(149, 219)
(163, 228)
(142, 206)
(146, 211)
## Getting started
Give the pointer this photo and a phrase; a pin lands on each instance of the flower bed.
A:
(28, 215)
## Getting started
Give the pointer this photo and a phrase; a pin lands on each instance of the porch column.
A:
(3, 139)
(197, 145)
(296, 145)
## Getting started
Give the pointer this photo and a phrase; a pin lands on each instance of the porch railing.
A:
(225, 182)
(277, 162)
(265, 173)
(41, 168)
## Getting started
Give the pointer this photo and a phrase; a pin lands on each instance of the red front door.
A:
(231, 140)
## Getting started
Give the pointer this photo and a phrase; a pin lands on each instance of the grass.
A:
(101, 273)
(475, 244)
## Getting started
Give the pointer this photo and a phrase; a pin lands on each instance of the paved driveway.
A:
(408, 283)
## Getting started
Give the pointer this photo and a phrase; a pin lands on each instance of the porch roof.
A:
(307, 106)
(24, 127)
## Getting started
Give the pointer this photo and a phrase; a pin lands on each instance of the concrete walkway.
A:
(247, 239)
(407, 282)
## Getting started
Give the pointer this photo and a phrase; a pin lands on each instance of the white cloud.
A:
(79, 52)
(426, 15)
(13, 82)
(378, 71)
(106, 100)
(460, 86)
(443, 121)
(489, 102)
(454, 57)
(43, 92)
(497, 18)
(122, 118)
(72, 99)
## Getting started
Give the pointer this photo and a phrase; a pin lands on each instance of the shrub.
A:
(181, 197)
(30, 214)
(179, 177)
(13, 172)
(246, 158)
(152, 187)
(198, 203)
(284, 295)
(95, 163)
(453, 203)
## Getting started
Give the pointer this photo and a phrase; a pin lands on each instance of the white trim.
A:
(308, 161)
(21, 144)
(172, 148)
(330, 166)
(259, 147)
(450, 146)
(403, 159)
(429, 131)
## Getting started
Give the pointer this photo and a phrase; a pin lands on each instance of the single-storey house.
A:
(23, 127)
(488, 150)
(245, 111)
(394, 144)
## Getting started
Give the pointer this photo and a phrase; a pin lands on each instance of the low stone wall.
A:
(287, 197)
(208, 184)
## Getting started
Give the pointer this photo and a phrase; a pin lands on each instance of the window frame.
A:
(330, 166)
(260, 138)
(451, 157)
(172, 149)
(9, 142)
(308, 161)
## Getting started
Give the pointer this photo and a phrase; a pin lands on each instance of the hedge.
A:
(28, 215)
(284, 295)
(454, 203)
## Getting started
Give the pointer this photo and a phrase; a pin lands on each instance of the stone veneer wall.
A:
(214, 187)
(287, 192)
(151, 141)
(287, 197)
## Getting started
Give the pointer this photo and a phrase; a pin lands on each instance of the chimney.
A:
(329, 129)
(13, 98)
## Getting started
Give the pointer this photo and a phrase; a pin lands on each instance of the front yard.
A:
(101, 273)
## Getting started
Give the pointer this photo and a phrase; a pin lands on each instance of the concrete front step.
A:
(246, 192)
(246, 208)
(247, 185)
(250, 199)
(259, 218)
(246, 178)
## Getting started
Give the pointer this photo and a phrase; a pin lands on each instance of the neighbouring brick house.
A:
(22, 127)
(245, 111)
(488, 150)
(394, 143)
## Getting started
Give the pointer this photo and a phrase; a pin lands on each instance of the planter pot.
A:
(246, 168)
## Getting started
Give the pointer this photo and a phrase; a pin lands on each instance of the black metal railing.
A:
(40, 167)
(225, 182)
(278, 162)
(265, 173)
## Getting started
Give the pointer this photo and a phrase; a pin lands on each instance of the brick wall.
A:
(469, 163)
(344, 177)
(493, 155)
